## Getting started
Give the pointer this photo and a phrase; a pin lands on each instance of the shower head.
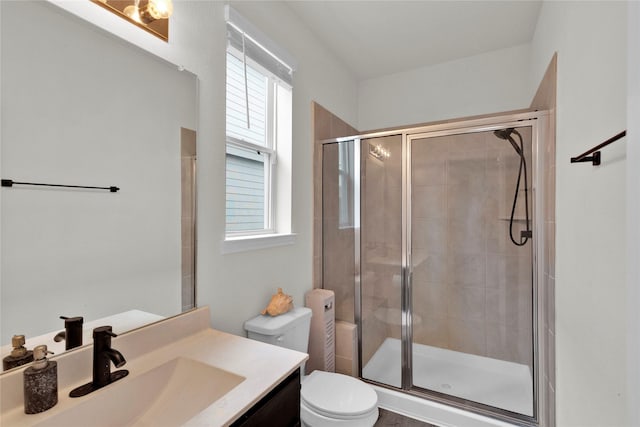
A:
(503, 133)
(506, 135)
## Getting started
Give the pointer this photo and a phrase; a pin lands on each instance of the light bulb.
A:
(160, 9)
(133, 13)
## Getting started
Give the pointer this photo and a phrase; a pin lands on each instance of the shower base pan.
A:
(493, 382)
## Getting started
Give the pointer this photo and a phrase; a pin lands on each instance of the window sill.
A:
(249, 243)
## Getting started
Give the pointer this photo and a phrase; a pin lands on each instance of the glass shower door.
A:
(471, 285)
(381, 259)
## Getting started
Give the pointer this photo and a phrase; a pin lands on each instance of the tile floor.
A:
(391, 419)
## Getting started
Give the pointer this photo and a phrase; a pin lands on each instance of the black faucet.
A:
(103, 355)
(72, 332)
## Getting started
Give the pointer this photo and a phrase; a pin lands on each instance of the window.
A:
(345, 184)
(250, 154)
(258, 135)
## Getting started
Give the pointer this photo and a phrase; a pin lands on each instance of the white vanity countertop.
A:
(121, 322)
(263, 366)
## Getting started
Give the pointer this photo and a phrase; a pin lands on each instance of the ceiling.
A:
(376, 38)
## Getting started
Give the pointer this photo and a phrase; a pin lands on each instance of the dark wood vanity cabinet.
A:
(279, 408)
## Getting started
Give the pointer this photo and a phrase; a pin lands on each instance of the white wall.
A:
(237, 286)
(491, 82)
(71, 114)
(633, 209)
(590, 38)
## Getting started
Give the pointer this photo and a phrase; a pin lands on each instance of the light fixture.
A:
(151, 15)
(379, 152)
(160, 9)
(133, 11)
(151, 11)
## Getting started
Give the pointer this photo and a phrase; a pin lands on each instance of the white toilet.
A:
(326, 399)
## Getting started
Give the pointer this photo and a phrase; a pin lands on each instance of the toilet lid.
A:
(337, 396)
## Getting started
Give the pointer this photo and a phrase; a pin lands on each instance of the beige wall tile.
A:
(466, 171)
(424, 151)
(467, 269)
(467, 336)
(433, 172)
(510, 344)
(551, 245)
(346, 366)
(467, 235)
(551, 358)
(429, 202)
(432, 330)
(465, 202)
(466, 143)
(429, 267)
(545, 97)
(430, 234)
(466, 303)
(430, 299)
(509, 307)
(508, 271)
(551, 303)
(374, 333)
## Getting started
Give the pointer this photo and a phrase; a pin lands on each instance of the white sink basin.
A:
(168, 395)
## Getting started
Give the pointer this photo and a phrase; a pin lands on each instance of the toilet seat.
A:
(310, 418)
(338, 396)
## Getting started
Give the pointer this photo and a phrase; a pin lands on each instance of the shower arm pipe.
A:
(595, 159)
(11, 183)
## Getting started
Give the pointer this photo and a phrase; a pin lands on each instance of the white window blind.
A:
(237, 106)
(257, 46)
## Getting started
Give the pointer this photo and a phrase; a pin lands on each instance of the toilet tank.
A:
(289, 330)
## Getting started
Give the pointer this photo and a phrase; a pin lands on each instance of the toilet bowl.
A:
(330, 399)
(326, 398)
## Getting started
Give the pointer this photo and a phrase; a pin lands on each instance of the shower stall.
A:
(430, 242)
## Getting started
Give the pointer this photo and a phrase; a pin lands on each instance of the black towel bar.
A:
(11, 183)
(595, 158)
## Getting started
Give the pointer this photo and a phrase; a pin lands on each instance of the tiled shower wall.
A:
(339, 262)
(339, 257)
(472, 287)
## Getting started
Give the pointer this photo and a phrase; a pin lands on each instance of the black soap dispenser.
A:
(19, 355)
(40, 382)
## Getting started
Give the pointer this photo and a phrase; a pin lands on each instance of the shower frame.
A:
(540, 126)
